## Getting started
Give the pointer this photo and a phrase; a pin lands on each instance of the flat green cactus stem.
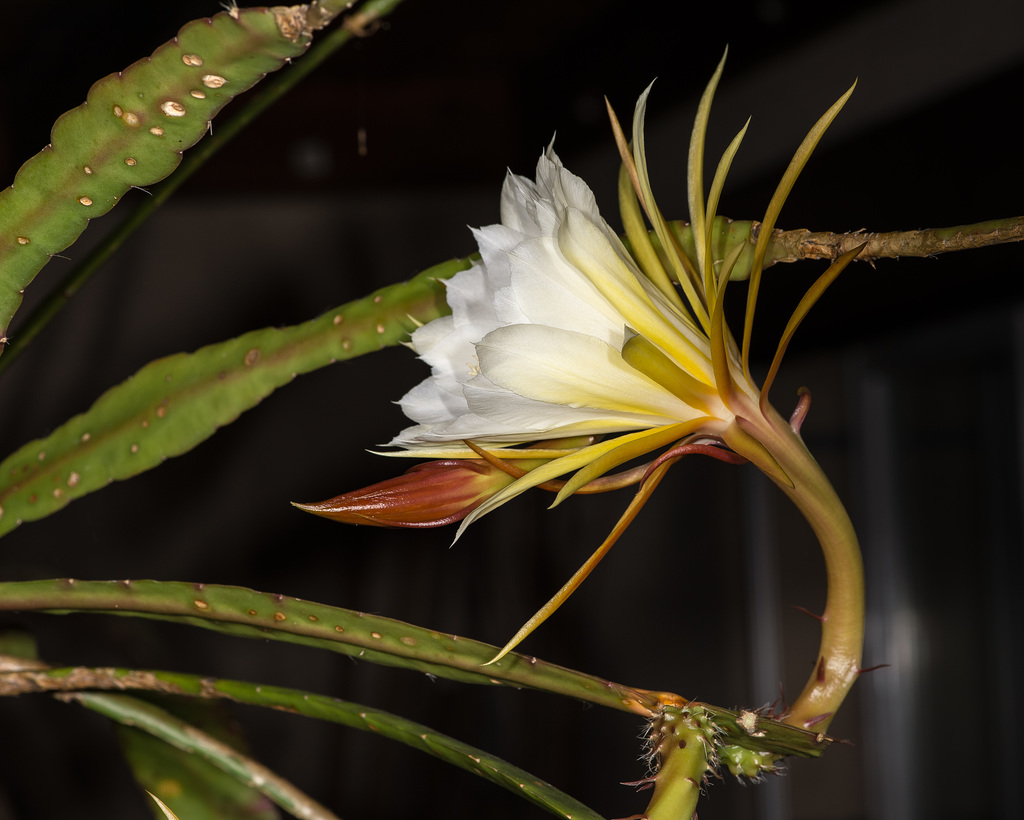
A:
(167, 727)
(132, 129)
(174, 403)
(246, 613)
(353, 715)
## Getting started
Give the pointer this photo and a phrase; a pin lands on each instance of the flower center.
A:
(643, 355)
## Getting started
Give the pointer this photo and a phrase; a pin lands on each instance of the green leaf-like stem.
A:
(174, 403)
(131, 132)
(190, 785)
(250, 614)
(255, 103)
(182, 735)
(321, 707)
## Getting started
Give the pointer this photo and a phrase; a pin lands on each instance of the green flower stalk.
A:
(563, 330)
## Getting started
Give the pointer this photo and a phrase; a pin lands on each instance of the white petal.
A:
(502, 415)
(564, 187)
(562, 367)
(585, 246)
(426, 338)
(525, 208)
(547, 290)
(431, 402)
(495, 242)
(470, 294)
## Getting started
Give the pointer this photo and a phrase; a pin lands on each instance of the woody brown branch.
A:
(791, 246)
(19, 677)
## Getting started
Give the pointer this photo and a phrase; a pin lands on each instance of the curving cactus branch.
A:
(159, 722)
(174, 403)
(73, 682)
(356, 23)
(134, 126)
(249, 614)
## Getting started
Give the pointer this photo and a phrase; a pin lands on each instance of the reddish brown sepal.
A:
(431, 494)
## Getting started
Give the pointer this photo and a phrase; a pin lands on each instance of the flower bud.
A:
(430, 494)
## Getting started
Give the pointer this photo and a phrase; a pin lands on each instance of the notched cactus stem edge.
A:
(135, 124)
(249, 614)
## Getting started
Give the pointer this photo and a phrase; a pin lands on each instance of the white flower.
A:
(560, 331)
(533, 348)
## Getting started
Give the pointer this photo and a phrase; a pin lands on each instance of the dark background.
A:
(915, 366)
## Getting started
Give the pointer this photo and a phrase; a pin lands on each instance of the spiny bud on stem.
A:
(683, 743)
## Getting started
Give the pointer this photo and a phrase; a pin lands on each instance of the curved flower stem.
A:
(842, 624)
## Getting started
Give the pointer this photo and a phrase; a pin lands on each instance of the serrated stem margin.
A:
(174, 403)
(249, 614)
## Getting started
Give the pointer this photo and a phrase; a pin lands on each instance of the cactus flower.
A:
(563, 329)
